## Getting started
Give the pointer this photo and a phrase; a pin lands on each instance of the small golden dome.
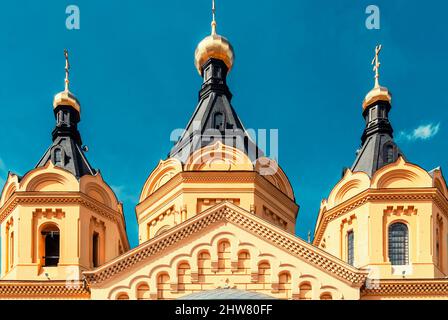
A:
(66, 98)
(377, 94)
(214, 46)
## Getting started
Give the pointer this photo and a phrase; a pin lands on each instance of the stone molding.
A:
(47, 289)
(409, 287)
(370, 195)
(233, 214)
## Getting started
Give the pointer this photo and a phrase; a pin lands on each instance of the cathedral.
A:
(216, 218)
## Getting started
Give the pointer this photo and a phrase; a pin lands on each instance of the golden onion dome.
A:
(214, 46)
(377, 94)
(66, 98)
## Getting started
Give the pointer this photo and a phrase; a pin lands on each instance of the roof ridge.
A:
(230, 212)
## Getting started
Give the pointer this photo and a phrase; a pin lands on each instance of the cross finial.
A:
(376, 65)
(213, 17)
(67, 70)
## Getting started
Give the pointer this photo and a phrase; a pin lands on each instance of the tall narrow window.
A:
(96, 250)
(350, 248)
(51, 241)
(437, 248)
(11, 250)
(305, 291)
(398, 244)
(439, 245)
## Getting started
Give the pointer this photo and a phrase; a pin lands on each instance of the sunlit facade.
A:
(217, 218)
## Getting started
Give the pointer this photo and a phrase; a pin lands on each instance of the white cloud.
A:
(423, 132)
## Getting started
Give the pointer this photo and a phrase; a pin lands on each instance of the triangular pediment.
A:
(270, 242)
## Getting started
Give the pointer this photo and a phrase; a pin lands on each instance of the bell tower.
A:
(215, 160)
(61, 217)
(386, 214)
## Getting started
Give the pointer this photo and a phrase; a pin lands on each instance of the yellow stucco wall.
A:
(400, 192)
(51, 196)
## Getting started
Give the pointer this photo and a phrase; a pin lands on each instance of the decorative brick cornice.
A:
(408, 287)
(379, 195)
(61, 198)
(230, 213)
(217, 177)
(43, 290)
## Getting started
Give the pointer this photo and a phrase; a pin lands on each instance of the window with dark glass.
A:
(351, 248)
(398, 244)
(96, 249)
(51, 239)
(11, 250)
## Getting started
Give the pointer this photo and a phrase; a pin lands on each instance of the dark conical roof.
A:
(66, 151)
(214, 118)
(378, 146)
(73, 157)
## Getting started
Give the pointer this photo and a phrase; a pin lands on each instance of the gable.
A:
(225, 247)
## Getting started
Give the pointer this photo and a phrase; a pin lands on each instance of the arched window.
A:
(284, 284)
(50, 241)
(183, 276)
(163, 285)
(204, 265)
(123, 296)
(143, 292)
(223, 256)
(244, 262)
(264, 273)
(351, 247)
(326, 296)
(399, 244)
(305, 291)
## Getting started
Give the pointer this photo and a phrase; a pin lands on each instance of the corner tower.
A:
(61, 218)
(386, 214)
(215, 160)
(378, 147)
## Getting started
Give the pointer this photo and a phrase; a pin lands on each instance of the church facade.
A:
(217, 218)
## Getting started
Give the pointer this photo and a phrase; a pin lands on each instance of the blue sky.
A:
(302, 67)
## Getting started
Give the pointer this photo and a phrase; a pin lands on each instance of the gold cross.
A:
(67, 70)
(214, 17)
(376, 65)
